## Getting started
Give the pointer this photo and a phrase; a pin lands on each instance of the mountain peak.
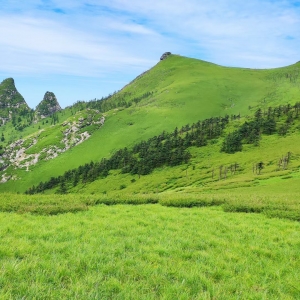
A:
(9, 80)
(10, 98)
(48, 106)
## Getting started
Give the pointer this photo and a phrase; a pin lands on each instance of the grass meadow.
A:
(148, 252)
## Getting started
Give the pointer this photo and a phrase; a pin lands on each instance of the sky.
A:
(87, 49)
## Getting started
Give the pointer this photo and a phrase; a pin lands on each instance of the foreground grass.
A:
(148, 252)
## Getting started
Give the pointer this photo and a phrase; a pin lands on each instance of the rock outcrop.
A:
(48, 106)
(165, 55)
(70, 133)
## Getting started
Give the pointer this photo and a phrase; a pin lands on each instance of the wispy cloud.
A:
(226, 30)
(111, 39)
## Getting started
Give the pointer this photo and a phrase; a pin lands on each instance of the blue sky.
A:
(82, 50)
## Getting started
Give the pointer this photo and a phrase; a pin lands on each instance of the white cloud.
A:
(44, 46)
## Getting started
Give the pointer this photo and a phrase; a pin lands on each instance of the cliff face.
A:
(48, 106)
(11, 101)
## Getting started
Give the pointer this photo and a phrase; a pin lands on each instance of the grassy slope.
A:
(273, 192)
(197, 175)
(185, 90)
(148, 252)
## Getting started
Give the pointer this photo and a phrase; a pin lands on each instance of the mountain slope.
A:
(180, 91)
(216, 153)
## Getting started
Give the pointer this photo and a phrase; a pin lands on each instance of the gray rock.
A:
(165, 55)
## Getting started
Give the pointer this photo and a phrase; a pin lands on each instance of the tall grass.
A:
(273, 205)
(58, 204)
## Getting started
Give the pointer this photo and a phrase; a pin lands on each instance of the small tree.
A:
(269, 126)
(232, 143)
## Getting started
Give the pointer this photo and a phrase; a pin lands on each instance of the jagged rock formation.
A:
(165, 55)
(48, 106)
(11, 101)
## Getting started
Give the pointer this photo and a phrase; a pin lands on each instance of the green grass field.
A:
(148, 252)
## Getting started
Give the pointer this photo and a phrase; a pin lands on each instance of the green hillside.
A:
(175, 92)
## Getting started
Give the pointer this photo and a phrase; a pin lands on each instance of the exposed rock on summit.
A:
(48, 106)
(165, 55)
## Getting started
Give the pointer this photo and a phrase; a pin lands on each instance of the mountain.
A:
(16, 117)
(11, 101)
(176, 92)
(48, 106)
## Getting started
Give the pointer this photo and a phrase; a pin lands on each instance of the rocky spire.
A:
(10, 97)
(48, 106)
